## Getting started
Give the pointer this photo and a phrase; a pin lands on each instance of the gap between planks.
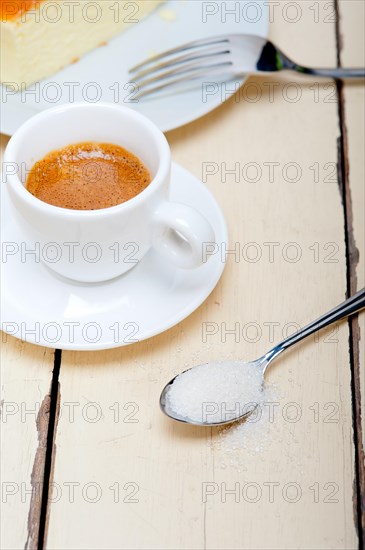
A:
(44, 462)
(352, 258)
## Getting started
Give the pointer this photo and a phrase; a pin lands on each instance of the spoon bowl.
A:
(225, 416)
(349, 307)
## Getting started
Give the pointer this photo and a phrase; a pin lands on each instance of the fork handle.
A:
(336, 72)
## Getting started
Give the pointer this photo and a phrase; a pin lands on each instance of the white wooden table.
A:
(78, 474)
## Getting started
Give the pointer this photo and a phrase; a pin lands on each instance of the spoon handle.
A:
(350, 306)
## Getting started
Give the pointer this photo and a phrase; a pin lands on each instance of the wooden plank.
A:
(25, 375)
(352, 15)
(165, 465)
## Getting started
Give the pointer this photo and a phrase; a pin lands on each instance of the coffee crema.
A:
(88, 176)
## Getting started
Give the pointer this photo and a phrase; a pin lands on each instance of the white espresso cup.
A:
(97, 245)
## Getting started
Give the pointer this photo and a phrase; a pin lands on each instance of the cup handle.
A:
(179, 234)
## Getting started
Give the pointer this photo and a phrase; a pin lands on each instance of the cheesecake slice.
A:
(40, 37)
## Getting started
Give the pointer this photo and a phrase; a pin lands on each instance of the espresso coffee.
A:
(88, 176)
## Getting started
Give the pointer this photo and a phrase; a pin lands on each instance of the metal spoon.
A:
(350, 306)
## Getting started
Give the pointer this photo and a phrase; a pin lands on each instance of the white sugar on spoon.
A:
(213, 393)
(223, 392)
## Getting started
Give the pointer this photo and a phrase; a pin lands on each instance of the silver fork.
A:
(232, 55)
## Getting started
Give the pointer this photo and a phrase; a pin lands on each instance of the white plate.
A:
(108, 66)
(39, 307)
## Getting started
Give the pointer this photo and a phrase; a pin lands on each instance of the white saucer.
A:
(41, 308)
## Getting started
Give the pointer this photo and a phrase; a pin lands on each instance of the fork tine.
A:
(182, 69)
(218, 68)
(180, 60)
(188, 46)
